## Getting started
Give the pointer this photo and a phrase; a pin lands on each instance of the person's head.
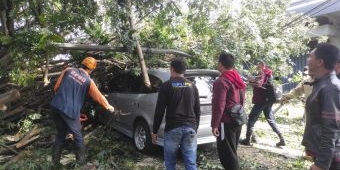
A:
(89, 64)
(337, 68)
(226, 61)
(323, 59)
(261, 65)
(177, 67)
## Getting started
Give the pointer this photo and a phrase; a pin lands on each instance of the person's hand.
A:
(284, 99)
(215, 132)
(111, 109)
(314, 167)
(154, 138)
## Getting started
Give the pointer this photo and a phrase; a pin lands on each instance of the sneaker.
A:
(281, 143)
(245, 142)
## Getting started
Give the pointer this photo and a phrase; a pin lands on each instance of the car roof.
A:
(164, 73)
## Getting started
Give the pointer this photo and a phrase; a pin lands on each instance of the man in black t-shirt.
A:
(179, 98)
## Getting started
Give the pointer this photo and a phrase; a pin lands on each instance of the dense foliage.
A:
(252, 30)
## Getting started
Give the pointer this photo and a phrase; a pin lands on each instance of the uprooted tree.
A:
(257, 29)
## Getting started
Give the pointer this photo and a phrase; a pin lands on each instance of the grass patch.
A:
(108, 149)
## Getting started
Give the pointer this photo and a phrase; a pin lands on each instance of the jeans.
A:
(254, 115)
(227, 148)
(64, 125)
(185, 138)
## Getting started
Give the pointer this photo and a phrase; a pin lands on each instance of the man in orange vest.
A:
(71, 89)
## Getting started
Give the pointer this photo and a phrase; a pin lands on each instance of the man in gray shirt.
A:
(322, 132)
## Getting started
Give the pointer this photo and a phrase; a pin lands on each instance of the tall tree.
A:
(138, 47)
(30, 24)
(252, 30)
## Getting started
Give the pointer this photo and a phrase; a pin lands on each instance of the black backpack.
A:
(273, 92)
(236, 112)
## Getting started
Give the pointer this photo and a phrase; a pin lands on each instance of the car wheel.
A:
(142, 137)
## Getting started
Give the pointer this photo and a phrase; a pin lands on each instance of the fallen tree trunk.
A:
(14, 112)
(9, 148)
(9, 96)
(46, 81)
(7, 86)
(17, 158)
(69, 46)
(50, 74)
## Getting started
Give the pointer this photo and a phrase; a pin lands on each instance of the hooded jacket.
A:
(259, 92)
(220, 102)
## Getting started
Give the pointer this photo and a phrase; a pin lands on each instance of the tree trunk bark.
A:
(46, 81)
(3, 107)
(138, 48)
(30, 137)
(14, 112)
(3, 22)
(10, 20)
(17, 158)
(9, 96)
(3, 7)
(4, 62)
(25, 142)
(9, 148)
(69, 46)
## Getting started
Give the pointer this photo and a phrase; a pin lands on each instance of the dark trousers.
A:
(65, 125)
(254, 115)
(335, 165)
(227, 147)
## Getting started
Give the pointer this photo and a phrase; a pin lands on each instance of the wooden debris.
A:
(9, 148)
(3, 107)
(30, 137)
(24, 143)
(14, 112)
(9, 96)
(17, 158)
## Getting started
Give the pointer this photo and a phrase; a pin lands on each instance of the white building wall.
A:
(321, 8)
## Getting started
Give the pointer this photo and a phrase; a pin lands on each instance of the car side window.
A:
(155, 83)
(203, 83)
(123, 83)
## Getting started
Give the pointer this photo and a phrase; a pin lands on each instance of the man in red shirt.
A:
(226, 131)
(261, 103)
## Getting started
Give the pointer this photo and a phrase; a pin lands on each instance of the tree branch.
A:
(69, 46)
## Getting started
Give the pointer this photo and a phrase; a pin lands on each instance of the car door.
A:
(124, 98)
(133, 101)
(204, 81)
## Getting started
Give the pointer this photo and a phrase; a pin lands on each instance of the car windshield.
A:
(203, 84)
(132, 83)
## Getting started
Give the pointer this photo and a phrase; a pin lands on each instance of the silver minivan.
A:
(135, 105)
